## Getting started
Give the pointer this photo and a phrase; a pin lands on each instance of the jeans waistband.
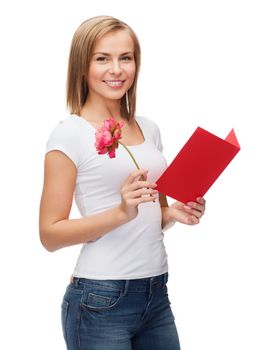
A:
(135, 285)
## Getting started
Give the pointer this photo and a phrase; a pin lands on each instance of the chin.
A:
(115, 96)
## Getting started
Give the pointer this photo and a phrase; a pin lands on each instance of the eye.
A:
(102, 59)
(126, 58)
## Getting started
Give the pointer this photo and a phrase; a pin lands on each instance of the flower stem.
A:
(134, 160)
(137, 165)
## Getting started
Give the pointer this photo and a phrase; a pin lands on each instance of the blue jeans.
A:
(119, 315)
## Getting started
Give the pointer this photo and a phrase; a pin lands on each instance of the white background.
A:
(204, 63)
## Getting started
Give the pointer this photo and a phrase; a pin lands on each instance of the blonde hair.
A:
(81, 50)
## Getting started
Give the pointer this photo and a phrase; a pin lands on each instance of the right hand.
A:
(133, 191)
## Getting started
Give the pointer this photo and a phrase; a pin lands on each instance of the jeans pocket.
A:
(64, 313)
(102, 299)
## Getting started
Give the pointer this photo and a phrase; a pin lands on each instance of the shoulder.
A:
(68, 132)
(148, 123)
(68, 123)
(151, 130)
(67, 128)
(67, 137)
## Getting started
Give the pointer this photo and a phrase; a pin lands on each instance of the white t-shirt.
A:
(135, 249)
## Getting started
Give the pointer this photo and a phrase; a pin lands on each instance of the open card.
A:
(197, 166)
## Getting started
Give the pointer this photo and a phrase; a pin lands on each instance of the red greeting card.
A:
(197, 166)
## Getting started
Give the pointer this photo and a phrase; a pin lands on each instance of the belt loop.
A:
(126, 287)
(74, 280)
(165, 279)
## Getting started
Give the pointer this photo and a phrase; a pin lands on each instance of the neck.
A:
(96, 109)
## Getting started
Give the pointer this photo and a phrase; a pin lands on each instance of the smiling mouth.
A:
(114, 83)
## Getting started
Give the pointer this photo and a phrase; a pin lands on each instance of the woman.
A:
(117, 297)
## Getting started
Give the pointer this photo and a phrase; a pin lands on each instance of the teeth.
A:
(114, 83)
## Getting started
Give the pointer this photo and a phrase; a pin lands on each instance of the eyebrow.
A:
(107, 54)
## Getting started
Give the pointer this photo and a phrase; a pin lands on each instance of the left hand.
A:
(189, 214)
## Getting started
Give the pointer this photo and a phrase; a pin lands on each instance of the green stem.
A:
(134, 160)
(137, 165)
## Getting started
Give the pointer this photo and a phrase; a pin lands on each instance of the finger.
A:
(144, 191)
(137, 173)
(140, 184)
(194, 205)
(144, 176)
(140, 200)
(195, 212)
(193, 220)
(201, 200)
(186, 217)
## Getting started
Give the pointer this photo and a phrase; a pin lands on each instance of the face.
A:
(112, 66)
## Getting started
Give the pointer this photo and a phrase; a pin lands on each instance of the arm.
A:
(57, 230)
(167, 221)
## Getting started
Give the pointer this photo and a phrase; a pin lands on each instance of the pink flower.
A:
(108, 136)
(107, 139)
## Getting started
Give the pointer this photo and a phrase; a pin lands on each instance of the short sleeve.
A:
(65, 137)
(157, 136)
(159, 140)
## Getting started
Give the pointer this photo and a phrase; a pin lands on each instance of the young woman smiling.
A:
(117, 298)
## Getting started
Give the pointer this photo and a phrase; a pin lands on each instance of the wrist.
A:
(121, 215)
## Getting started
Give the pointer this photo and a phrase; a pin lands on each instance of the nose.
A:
(115, 68)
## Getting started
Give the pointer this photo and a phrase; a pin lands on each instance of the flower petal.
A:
(107, 137)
